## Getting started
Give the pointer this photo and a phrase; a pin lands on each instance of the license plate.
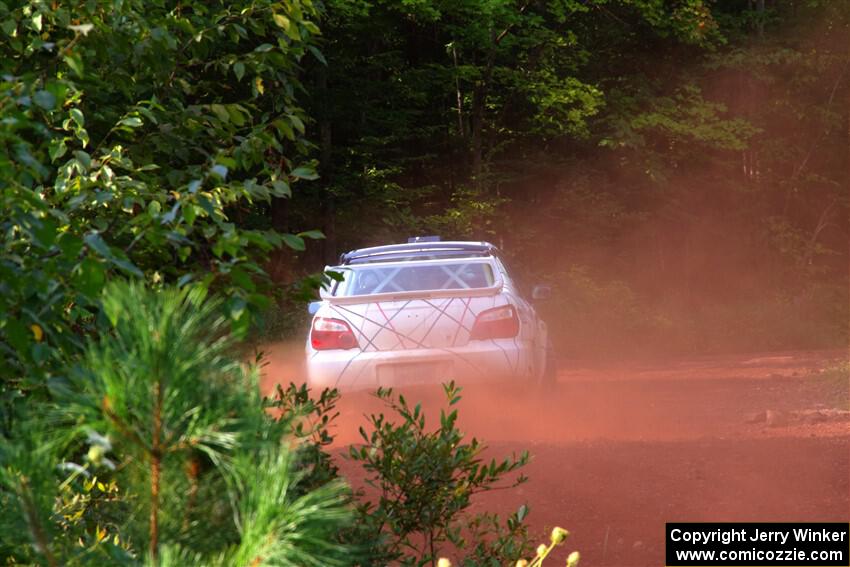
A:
(418, 373)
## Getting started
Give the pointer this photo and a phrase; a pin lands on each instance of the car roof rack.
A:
(417, 251)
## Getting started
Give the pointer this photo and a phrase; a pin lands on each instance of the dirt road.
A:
(619, 450)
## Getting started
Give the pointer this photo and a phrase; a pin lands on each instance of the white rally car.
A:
(425, 312)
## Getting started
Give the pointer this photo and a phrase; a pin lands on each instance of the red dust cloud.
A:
(617, 450)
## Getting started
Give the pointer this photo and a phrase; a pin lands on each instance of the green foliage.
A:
(488, 541)
(310, 421)
(471, 214)
(134, 137)
(484, 539)
(677, 123)
(184, 464)
(429, 108)
(27, 494)
(425, 480)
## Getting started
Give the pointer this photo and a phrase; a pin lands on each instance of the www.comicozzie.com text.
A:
(726, 536)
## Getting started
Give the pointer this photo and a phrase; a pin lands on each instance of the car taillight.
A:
(497, 323)
(329, 334)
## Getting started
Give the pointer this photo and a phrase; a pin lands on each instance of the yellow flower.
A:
(95, 454)
(443, 562)
(559, 535)
(521, 563)
(573, 558)
(541, 550)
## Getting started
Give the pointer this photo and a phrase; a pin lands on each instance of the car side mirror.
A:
(541, 292)
(313, 306)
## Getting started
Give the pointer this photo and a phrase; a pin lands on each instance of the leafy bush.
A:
(309, 422)
(424, 482)
(424, 477)
(134, 137)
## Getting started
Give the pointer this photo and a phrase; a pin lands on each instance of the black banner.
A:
(758, 544)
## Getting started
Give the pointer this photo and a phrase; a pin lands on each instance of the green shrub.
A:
(160, 450)
(425, 480)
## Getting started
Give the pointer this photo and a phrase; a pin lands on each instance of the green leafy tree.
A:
(140, 139)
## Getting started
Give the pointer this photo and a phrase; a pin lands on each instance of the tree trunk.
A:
(329, 210)
(324, 117)
(326, 166)
(156, 467)
(479, 96)
(477, 127)
(280, 214)
(460, 127)
(823, 222)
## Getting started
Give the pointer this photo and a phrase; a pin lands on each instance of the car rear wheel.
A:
(550, 367)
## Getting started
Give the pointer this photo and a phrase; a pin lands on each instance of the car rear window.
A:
(367, 280)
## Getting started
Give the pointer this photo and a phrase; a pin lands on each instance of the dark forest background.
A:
(677, 171)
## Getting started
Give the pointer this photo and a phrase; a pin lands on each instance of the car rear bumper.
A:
(358, 370)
